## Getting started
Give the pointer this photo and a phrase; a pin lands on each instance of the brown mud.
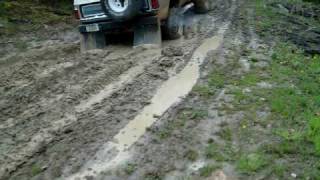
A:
(59, 107)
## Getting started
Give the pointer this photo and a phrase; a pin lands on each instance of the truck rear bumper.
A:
(121, 26)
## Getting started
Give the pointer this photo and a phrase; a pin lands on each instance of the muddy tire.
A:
(121, 11)
(201, 6)
(90, 41)
(173, 28)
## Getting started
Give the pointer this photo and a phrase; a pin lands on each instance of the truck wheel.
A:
(95, 40)
(201, 6)
(121, 10)
(173, 28)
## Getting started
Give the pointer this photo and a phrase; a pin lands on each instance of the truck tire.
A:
(201, 6)
(121, 10)
(173, 27)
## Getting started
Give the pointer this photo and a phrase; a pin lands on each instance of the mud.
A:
(300, 31)
(59, 107)
(62, 113)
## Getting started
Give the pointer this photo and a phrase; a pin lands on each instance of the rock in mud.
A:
(166, 62)
(172, 51)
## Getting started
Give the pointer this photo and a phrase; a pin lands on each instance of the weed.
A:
(225, 134)
(220, 152)
(279, 169)
(164, 132)
(194, 114)
(203, 91)
(129, 169)
(183, 117)
(251, 162)
(217, 80)
(314, 132)
(289, 135)
(192, 155)
(239, 96)
(153, 176)
(35, 170)
(207, 170)
(250, 79)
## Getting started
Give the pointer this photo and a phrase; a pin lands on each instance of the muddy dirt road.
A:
(66, 115)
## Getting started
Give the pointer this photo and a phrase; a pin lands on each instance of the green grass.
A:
(220, 152)
(22, 16)
(251, 162)
(279, 169)
(297, 104)
(314, 133)
(192, 155)
(225, 133)
(203, 91)
(287, 139)
(35, 170)
(207, 170)
(130, 168)
(180, 121)
(217, 80)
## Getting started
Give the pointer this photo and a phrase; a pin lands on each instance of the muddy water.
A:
(170, 93)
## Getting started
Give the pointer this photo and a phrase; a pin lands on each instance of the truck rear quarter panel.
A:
(165, 6)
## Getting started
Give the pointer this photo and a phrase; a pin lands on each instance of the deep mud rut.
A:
(66, 115)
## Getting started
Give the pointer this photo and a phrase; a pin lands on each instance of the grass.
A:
(297, 105)
(225, 133)
(207, 170)
(288, 139)
(217, 80)
(21, 16)
(220, 152)
(35, 170)
(192, 155)
(130, 168)
(279, 169)
(314, 133)
(252, 162)
(180, 121)
(203, 91)
(153, 176)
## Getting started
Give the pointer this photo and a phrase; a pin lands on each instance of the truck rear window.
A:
(92, 10)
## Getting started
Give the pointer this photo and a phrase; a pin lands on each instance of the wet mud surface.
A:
(58, 108)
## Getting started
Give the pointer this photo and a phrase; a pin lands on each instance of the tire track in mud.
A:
(115, 152)
(166, 158)
(75, 143)
(46, 135)
(170, 93)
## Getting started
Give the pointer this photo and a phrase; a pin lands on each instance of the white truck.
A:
(146, 18)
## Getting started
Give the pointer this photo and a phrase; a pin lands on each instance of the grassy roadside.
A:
(279, 134)
(294, 100)
(28, 16)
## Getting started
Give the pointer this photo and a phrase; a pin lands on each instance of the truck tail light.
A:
(77, 14)
(155, 4)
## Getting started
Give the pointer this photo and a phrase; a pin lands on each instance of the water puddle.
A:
(169, 94)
